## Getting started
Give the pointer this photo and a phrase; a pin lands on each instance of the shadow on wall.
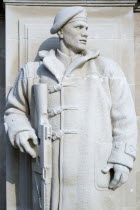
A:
(51, 43)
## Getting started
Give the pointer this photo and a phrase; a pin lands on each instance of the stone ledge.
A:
(99, 3)
(137, 7)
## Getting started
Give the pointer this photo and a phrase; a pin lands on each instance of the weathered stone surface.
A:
(2, 106)
(137, 48)
(99, 3)
(111, 32)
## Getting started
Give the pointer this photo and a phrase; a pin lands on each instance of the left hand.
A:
(120, 175)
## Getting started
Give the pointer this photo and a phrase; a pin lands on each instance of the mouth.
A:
(83, 41)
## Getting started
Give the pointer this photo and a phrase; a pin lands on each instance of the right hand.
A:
(26, 142)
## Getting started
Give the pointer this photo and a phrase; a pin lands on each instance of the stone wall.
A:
(2, 103)
(137, 100)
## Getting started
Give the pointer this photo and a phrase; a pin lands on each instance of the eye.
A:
(79, 27)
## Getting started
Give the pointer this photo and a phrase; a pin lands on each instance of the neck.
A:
(67, 51)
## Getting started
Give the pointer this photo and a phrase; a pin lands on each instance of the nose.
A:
(85, 33)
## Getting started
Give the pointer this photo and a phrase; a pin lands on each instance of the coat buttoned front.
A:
(92, 116)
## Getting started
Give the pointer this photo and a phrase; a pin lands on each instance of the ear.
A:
(60, 34)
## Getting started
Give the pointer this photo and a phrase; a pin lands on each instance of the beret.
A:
(64, 16)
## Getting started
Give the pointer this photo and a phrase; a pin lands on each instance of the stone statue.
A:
(90, 113)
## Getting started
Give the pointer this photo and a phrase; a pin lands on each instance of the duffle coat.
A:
(91, 111)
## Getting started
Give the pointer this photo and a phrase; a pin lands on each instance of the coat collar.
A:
(65, 59)
(56, 62)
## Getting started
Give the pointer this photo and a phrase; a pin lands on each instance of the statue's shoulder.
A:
(108, 67)
(30, 69)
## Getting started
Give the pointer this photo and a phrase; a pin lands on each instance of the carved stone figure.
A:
(90, 113)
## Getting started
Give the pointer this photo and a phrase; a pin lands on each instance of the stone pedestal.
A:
(111, 30)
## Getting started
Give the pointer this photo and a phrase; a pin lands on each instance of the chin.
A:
(80, 49)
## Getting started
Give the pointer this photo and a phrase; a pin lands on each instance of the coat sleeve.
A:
(123, 116)
(17, 109)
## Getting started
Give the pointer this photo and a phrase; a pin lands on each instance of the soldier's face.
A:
(75, 35)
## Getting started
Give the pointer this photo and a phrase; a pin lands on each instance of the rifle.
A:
(43, 163)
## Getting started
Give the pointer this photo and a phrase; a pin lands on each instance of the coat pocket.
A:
(102, 152)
